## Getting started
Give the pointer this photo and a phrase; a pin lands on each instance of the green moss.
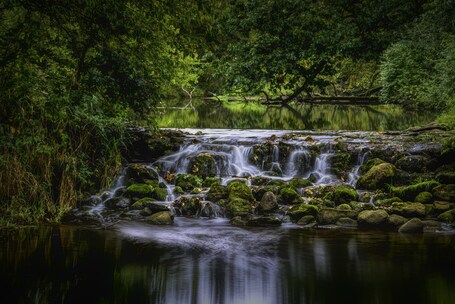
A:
(238, 207)
(408, 209)
(289, 196)
(142, 203)
(372, 218)
(424, 198)
(387, 202)
(344, 207)
(298, 182)
(217, 192)
(369, 164)
(408, 193)
(342, 195)
(298, 211)
(260, 181)
(238, 189)
(377, 177)
(328, 216)
(447, 217)
(340, 163)
(139, 191)
(140, 172)
(203, 165)
(160, 194)
(209, 181)
(178, 190)
(187, 181)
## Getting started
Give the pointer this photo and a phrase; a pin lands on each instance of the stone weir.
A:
(352, 180)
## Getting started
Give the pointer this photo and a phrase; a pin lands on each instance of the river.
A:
(197, 259)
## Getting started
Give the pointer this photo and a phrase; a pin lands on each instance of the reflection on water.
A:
(208, 261)
(237, 115)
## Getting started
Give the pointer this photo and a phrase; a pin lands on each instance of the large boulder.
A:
(117, 203)
(217, 192)
(203, 165)
(289, 196)
(372, 218)
(377, 177)
(187, 181)
(139, 191)
(409, 193)
(140, 173)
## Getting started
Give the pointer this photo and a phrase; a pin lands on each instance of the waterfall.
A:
(322, 169)
(298, 162)
(239, 164)
(354, 174)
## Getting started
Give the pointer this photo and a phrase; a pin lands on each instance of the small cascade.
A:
(354, 174)
(239, 164)
(298, 162)
(322, 169)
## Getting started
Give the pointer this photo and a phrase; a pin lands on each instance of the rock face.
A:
(377, 177)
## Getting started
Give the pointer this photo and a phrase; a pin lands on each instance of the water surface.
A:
(209, 261)
(199, 113)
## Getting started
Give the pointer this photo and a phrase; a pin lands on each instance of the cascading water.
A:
(354, 173)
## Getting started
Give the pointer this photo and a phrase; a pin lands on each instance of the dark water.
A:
(208, 261)
(238, 115)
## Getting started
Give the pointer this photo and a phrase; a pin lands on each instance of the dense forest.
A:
(77, 75)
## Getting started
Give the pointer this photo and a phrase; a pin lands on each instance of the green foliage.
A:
(417, 71)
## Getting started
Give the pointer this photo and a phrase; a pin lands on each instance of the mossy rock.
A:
(306, 219)
(414, 225)
(209, 181)
(159, 194)
(187, 181)
(328, 216)
(408, 209)
(346, 222)
(203, 165)
(440, 207)
(140, 172)
(424, 198)
(342, 195)
(446, 177)
(298, 182)
(447, 217)
(217, 192)
(139, 191)
(264, 221)
(238, 189)
(357, 206)
(238, 221)
(260, 181)
(178, 190)
(187, 205)
(344, 207)
(340, 163)
(160, 218)
(373, 218)
(413, 163)
(238, 207)
(377, 177)
(408, 193)
(296, 212)
(445, 192)
(142, 203)
(289, 196)
(387, 202)
(369, 164)
(117, 203)
(268, 203)
(395, 220)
